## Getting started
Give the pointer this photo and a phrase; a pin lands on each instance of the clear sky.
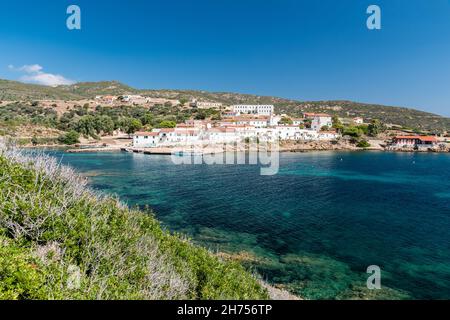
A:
(307, 50)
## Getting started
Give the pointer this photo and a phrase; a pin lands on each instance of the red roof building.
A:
(415, 140)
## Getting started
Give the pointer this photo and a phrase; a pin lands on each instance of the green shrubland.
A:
(61, 240)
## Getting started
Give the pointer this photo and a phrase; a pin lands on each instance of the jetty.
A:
(176, 151)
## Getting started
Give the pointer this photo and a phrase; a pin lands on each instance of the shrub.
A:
(363, 144)
(20, 275)
(69, 138)
(52, 225)
(167, 124)
(352, 132)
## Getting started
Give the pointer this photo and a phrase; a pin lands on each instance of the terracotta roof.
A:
(421, 138)
(144, 134)
(309, 114)
(167, 130)
(222, 130)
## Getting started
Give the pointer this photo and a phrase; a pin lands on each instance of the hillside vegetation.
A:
(60, 240)
(406, 117)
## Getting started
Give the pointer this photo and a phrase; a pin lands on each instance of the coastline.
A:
(120, 144)
(248, 258)
(169, 151)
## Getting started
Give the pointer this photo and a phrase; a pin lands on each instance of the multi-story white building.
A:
(185, 135)
(206, 104)
(321, 120)
(258, 122)
(146, 139)
(264, 110)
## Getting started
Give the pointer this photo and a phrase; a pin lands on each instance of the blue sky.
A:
(308, 50)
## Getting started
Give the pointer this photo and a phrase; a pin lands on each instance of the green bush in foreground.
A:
(59, 240)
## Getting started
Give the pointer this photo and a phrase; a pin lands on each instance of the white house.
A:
(358, 120)
(134, 99)
(146, 139)
(221, 135)
(420, 142)
(106, 99)
(321, 120)
(265, 110)
(328, 135)
(274, 120)
(288, 132)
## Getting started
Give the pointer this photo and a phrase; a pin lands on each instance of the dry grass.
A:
(48, 211)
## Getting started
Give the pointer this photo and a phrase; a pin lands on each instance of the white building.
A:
(358, 120)
(321, 120)
(288, 132)
(146, 139)
(186, 135)
(274, 120)
(328, 135)
(206, 104)
(265, 110)
(258, 122)
(134, 99)
(106, 99)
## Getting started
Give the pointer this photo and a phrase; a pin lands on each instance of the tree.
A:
(69, 138)
(34, 141)
(167, 124)
(286, 120)
(103, 124)
(364, 128)
(131, 125)
(375, 128)
(352, 132)
(200, 116)
(86, 126)
(307, 123)
(337, 124)
(183, 101)
(147, 118)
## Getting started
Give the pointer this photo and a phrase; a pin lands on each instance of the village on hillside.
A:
(239, 123)
(245, 122)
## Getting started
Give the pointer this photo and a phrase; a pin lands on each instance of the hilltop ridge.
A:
(406, 117)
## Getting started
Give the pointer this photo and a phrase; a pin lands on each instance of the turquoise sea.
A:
(315, 227)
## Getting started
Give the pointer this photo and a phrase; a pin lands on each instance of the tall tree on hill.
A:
(375, 128)
(131, 125)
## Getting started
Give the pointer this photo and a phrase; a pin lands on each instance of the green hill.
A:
(59, 240)
(92, 89)
(17, 91)
(406, 117)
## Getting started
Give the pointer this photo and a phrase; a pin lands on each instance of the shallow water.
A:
(315, 227)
